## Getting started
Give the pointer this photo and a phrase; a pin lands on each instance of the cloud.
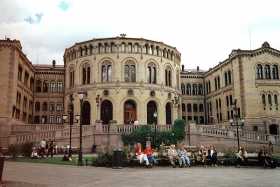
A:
(34, 20)
(63, 5)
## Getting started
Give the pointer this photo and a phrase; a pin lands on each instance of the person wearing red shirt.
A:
(140, 155)
(149, 152)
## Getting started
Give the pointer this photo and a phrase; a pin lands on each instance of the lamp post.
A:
(155, 122)
(81, 97)
(236, 121)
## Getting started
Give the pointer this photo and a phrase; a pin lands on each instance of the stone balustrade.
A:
(35, 133)
(37, 127)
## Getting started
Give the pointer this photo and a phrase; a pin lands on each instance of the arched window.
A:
(263, 100)
(168, 114)
(226, 78)
(168, 76)
(200, 89)
(178, 80)
(194, 90)
(183, 89)
(151, 110)
(267, 72)
(189, 89)
(229, 77)
(71, 77)
(259, 71)
(106, 111)
(106, 70)
(86, 74)
(129, 46)
(129, 72)
(146, 49)
(152, 73)
(130, 112)
(269, 99)
(275, 74)
(276, 101)
(86, 113)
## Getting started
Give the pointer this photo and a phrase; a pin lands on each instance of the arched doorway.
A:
(273, 129)
(106, 111)
(130, 112)
(86, 113)
(151, 109)
(168, 114)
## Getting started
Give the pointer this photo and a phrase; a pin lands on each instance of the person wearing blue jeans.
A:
(184, 160)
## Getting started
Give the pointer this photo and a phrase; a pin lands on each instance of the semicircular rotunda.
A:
(127, 80)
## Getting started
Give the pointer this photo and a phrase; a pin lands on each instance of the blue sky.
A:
(203, 31)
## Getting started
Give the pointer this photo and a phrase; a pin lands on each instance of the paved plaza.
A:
(40, 175)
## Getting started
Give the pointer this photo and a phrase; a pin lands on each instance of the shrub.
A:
(103, 160)
(179, 129)
(14, 150)
(26, 149)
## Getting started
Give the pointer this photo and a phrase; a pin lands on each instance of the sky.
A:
(204, 31)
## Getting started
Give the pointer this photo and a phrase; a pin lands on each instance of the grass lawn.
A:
(55, 160)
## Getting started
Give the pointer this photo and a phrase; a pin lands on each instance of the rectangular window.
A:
(52, 120)
(52, 107)
(58, 119)
(60, 86)
(59, 107)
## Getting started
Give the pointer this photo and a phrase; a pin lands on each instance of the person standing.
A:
(42, 148)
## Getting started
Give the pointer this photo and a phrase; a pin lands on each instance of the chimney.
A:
(197, 68)
(183, 68)
(53, 63)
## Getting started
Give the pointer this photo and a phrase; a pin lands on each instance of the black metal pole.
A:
(80, 161)
(70, 141)
(237, 137)
(155, 132)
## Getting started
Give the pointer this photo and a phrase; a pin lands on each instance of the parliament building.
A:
(139, 81)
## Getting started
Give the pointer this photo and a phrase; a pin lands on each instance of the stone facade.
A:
(126, 80)
(137, 81)
(251, 77)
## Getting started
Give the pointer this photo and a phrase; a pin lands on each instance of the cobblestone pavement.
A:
(18, 174)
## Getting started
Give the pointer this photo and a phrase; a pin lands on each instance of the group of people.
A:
(147, 157)
(207, 155)
(264, 156)
(45, 149)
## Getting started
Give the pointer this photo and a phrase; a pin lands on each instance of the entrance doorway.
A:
(168, 114)
(130, 112)
(151, 109)
(273, 129)
(106, 111)
(86, 113)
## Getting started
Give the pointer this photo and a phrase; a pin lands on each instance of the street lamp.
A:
(81, 97)
(236, 121)
(155, 122)
(64, 117)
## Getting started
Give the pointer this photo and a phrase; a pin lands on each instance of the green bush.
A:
(103, 160)
(171, 137)
(14, 150)
(26, 149)
(179, 129)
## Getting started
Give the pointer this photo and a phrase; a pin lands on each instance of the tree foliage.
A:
(146, 133)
